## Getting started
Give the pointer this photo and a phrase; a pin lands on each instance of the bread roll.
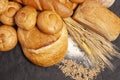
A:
(26, 17)
(50, 54)
(49, 22)
(101, 20)
(62, 7)
(8, 38)
(7, 17)
(3, 5)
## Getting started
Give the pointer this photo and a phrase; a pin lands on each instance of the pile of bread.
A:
(40, 30)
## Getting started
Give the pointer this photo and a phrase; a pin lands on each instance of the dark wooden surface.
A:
(14, 65)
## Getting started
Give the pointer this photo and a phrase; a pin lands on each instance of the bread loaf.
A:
(98, 18)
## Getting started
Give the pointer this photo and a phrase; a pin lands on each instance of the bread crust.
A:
(51, 54)
(49, 22)
(7, 17)
(3, 5)
(8, 38)
(26, 17)
(103, 21)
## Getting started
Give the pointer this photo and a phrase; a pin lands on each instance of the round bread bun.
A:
(8, 38)
(26, 17)
(7, 17)
(3, 5)
(50, 54)
(49, 22)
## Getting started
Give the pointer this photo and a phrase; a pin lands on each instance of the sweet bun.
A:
(7, 17)
(50, 54)
(49, 22)
(3, 5)
(26, 17)
(8, 38)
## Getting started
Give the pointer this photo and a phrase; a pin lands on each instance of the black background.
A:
(14, 65)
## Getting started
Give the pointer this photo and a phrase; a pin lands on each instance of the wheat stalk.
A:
(97, 48)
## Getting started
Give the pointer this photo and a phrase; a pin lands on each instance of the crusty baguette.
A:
(98, 18)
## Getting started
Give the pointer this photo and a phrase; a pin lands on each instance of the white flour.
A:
(76, 54)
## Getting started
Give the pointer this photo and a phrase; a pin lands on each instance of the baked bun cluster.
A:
(42, 34)
(44, 43)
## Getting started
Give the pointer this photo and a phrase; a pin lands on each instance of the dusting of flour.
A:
(77, 65)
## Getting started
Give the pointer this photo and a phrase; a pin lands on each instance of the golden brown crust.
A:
(7, 17)
(34, 39)
(63, 7)
(51, 54)
(3, 5)
(106, 24)
(49, 22)
(68, 3)
(8, 38)
(26, 17)
(20, 1)
(77, 1)
(59, 7)
(33, 3)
